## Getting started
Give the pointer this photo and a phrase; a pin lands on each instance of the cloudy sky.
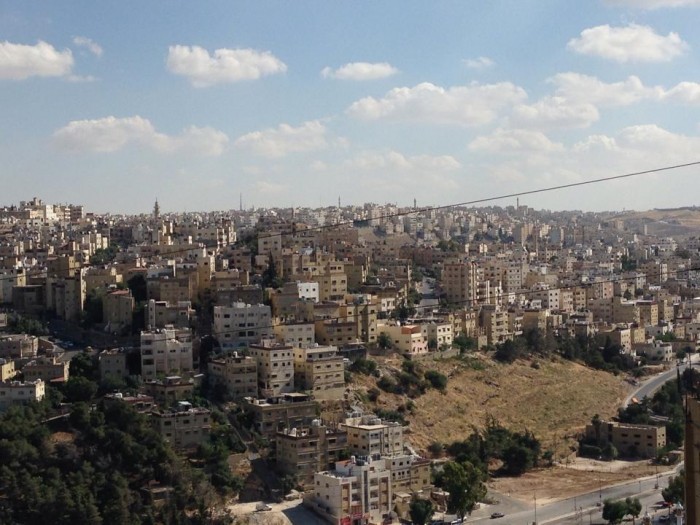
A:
(112, 104)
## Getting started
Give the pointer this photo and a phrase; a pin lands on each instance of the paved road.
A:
(582, 508)
(651, 385)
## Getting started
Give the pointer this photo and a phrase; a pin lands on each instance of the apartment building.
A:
(185, 427)
(296, 334)
(409, 339)
(238, 372)
(118, 310)
(47, 369)
(335, 332)
(369, 435)
(242, 324)
(159, 314)
(495, 324)
(277, 413)
(166, 351)
(169, 390)
(18, 346)
(7, 370)
(320, 371)
(303, 451)
(633, 440)
(409, 474)
(113, 364)
(460, 282)
(333, 282)
(356, 491)
(275, 364)
(439, 332)
(20, 393)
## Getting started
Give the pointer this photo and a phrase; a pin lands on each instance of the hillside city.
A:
(253, 365)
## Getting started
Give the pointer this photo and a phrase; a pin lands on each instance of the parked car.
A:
(497, 515)
(262, 507)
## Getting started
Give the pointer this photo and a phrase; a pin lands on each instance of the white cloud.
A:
(684, 92)
(514, 141)
(360, 71)
(267, 187)
(225, 65)
(393, 160)
(555, 112)
(588, 89)
(653, 4)
(285, 139)
(111, 134)
(632, 43)
(478, 63)
(90, 45)
(19, 61)
(470, 105)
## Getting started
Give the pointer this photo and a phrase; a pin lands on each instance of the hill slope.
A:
(554, 401)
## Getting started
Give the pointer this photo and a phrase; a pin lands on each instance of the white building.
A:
(308, 290)
(166, 351)
(242, 324)
(357, 491)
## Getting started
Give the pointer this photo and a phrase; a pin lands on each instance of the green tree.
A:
(464, 483)
(464, 343)
(675, 492)
(384, 341)
(614, 511)
(79, 389)
(139, 288)
(421, 510)
(634, 507)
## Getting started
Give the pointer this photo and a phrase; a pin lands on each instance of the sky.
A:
(116, 104)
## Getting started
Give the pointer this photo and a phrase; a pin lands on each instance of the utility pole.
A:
(535, 496)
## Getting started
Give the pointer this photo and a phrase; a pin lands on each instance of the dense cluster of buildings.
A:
(285, 299)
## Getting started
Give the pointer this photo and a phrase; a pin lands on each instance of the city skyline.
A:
(113, 107)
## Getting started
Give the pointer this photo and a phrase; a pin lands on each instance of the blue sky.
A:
(296, 103)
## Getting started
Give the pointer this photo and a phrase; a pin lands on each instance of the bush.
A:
(366, 367)
(436, 380)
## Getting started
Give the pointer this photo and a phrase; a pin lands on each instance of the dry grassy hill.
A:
(554, 401)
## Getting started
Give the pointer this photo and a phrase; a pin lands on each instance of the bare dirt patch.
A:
(579, 477)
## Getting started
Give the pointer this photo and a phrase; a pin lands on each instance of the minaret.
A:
(156, 210)
(240, 201)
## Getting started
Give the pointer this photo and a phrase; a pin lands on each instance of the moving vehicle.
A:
(497, 515)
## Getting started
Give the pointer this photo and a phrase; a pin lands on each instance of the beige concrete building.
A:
(170, 390)
(408, 339)
(275, 364)
(47, 369)
(20, 393)
(495, 324)
(112, 364)
(296, 334)
(460, 282)
(410, 474)
(7, 370)
(336, 333)
(320, 371)
(160, 314)
(242, 324)
(118, 310)
(277, 413)
(369, 435)
(333, 282)
(18, 346)
(238, 372)
(184, 428)
(301, 452)
(166, 352)
(629, 440)
(355, 492)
